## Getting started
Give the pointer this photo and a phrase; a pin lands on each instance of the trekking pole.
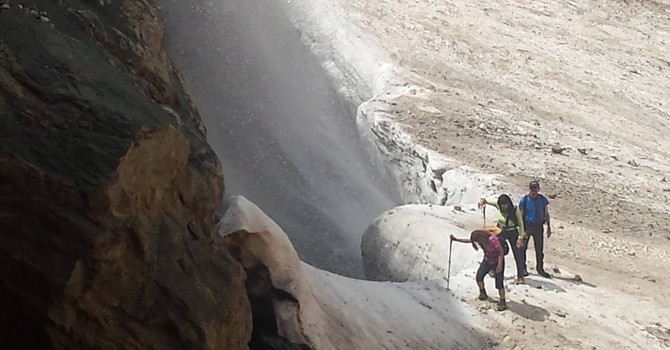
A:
(451, 242)
(484, 214)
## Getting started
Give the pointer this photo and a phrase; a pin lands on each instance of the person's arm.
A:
(501, 260)
(523, 236)
(548, 219)
(460, 240)
(493, 201)
(519, 220)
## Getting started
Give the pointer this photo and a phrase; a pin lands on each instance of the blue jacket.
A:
(533, 209)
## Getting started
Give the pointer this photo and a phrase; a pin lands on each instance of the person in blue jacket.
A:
(535, 212)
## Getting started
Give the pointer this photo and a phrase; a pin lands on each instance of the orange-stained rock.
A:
(108, 189)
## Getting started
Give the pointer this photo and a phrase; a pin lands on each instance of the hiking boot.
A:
(482, 295)
(543, 273)
(519, 280)
(502, 305)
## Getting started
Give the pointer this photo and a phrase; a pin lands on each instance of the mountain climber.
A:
(493, 259)
(535, 212)
(510, 222)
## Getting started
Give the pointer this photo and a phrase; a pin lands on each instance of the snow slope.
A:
(410, 243)
(336, 312)
(488, 87)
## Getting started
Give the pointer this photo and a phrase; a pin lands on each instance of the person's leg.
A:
(502, 304)
(522, 253)
(484, 268)
(512, 236)
(538, 240)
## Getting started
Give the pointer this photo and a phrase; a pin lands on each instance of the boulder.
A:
(108, 189)
(411, 242)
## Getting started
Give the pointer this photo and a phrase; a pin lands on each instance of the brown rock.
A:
(557, 149)
(107, 200)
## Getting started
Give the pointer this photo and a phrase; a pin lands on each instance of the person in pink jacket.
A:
(494, 259)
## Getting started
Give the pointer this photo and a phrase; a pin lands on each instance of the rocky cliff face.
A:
(107, 188)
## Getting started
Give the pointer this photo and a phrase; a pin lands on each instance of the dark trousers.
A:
(536, 231)
(485, 267)
(519, 257)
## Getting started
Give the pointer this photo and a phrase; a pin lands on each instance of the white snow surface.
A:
(361, 67)
(364, 71)
(336, 312)
(410, 243)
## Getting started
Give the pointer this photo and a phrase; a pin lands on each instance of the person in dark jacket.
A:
(535, 212)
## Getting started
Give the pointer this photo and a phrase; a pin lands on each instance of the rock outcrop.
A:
(107, 189)
(275, 276)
